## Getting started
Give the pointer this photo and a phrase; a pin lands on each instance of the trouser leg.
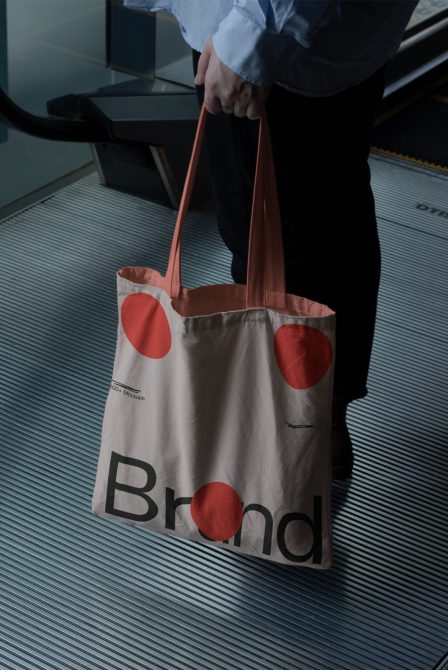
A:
(332, 252)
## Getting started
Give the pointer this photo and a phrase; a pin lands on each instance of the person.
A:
(317, 68)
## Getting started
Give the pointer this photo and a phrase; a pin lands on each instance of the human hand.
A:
(225, 90)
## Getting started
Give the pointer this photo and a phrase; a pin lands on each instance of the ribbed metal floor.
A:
(84, 593)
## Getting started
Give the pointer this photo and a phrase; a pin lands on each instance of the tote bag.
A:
(218, 420)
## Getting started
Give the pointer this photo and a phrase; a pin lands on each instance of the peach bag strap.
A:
(266, 271)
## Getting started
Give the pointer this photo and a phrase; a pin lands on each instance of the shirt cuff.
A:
(249, 50)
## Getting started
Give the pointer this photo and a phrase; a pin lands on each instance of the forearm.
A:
(251, 39)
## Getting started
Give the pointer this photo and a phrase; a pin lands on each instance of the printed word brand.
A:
(172, 503)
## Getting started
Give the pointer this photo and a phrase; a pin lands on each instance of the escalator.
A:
(78, 592)
(412, 122)
(141, 138)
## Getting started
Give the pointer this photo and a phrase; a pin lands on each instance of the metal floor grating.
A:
(84, 593)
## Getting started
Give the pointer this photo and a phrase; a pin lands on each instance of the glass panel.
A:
(173, 55)
(3, 62)
(54, 47)
(57, 47)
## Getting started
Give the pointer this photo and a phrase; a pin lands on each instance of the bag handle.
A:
(266, 269)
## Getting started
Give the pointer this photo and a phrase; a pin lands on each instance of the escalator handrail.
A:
(63, 130)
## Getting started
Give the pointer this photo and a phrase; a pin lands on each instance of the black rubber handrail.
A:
(63, 130)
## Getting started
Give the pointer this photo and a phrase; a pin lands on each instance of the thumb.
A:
(202, 68)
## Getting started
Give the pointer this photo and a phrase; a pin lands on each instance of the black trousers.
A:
(332, 254)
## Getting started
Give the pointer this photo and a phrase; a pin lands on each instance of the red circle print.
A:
(217, 511)
(303, 354)
(145, 324)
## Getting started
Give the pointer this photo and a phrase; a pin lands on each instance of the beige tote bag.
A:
(218, 420)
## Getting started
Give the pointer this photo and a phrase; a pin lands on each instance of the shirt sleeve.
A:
(250, 40)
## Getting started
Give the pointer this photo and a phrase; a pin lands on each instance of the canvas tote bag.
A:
(218, 420)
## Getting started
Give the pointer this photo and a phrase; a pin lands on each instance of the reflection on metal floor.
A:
(83, 593)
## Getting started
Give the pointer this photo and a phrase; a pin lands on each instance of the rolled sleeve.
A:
(248, 49)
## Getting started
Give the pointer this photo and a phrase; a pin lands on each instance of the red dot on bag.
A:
(303, 354)
(217, 511)
(145, 324)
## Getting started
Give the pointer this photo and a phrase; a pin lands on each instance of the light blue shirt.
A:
(312, 47)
